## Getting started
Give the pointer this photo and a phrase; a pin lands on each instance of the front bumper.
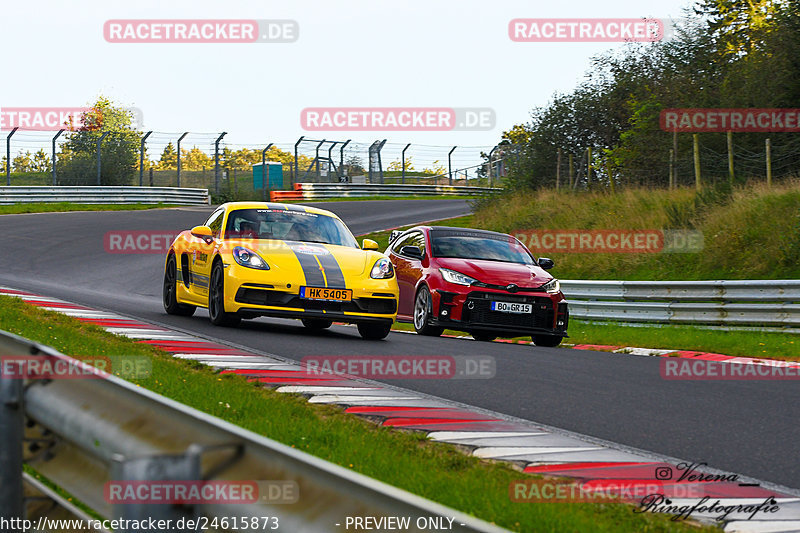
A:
(472, 311)
(373, 300)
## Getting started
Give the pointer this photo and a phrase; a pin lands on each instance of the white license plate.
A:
(507, 307)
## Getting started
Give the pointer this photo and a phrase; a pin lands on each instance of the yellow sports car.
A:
(255, 259)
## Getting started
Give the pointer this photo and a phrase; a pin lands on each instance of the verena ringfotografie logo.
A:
(200, 492)
(608, 241)
(735, 120)
(678, 368)
(397, 119)
(200, 31)
(403, 366)
(582, 30)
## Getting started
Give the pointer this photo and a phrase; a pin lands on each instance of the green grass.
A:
(404, 459)
(750, 232)
(16, 209)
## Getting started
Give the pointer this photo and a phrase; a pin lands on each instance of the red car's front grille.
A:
(477, 310)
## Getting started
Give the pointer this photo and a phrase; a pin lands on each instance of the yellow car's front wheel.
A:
(216, 299)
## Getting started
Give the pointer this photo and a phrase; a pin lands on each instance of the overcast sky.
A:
(449, 53)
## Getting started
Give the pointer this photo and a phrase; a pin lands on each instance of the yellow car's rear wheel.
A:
(170, 290)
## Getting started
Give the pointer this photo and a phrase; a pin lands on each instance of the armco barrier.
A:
(769, 303)
(104, 195)
(312, 191)
(89, 431)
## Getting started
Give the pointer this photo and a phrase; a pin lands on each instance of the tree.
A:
(41, 161)
(195, 159)
(119, 151)
(22, 163)
(169, 158)
(398, 164)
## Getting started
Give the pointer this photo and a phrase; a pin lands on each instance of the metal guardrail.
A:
(313, 191)
(90, 431)
(103, 195)
(769, 303)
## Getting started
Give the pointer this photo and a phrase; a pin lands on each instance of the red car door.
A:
(408, 270)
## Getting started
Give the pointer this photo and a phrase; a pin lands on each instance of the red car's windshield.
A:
(481, 246)
(279, 224)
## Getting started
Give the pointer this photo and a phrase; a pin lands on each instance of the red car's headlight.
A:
(456, 277)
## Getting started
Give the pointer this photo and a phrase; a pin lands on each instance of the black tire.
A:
(316, 324)
(483, 336)
(170, 291)
(549, 341)
(216, 302)
(423, 310)
(374, 332)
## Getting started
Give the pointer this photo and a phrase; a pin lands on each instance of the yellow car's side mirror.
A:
(369, 244)
(203, 232)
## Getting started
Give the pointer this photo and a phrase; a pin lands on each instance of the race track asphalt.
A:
(747, 427)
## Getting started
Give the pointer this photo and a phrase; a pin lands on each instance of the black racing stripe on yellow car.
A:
(333, 271)
(311, 269)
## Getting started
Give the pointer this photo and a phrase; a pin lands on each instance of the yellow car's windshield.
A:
(280, 224)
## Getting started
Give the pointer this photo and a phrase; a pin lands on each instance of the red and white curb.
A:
(595, 465)
(687, 354)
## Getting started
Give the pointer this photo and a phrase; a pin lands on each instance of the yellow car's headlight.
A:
(248, 258)
(383, 269)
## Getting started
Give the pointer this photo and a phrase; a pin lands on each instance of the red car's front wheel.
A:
(423, 310)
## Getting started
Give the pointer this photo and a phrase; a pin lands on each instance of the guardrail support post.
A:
(12, 429)
(57, 135)
(141, 160)
(184, 467)
(179, 156)
(8, 156)
(99, 144)
(264, 177)
(450, 166)
(403, 157)
(296, 175)
(216, 161)
(341, 158)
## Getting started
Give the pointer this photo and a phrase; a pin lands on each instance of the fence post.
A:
(675, 157)
(341, 157)
(769, 162)
(151, 176)
(671, 168)
(141, 160)
(558, 170)
(99, 143)
(12, 428)
(610, 176)
(403, 157)
(730, 157)
(331, 166)
(589, 169)
(216, 161)
(571, 170)
(8, 156)
(696, 149)
(57, 135)
(179, 156)
(264, 177)
(296, 168)
(450, 166)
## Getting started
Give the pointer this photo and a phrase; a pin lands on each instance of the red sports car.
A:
(485, 283)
